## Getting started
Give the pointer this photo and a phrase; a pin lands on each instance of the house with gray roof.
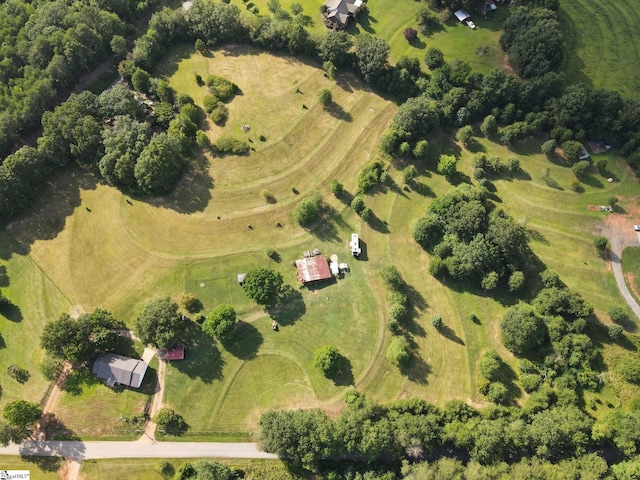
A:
(339, 13)
(117, 369)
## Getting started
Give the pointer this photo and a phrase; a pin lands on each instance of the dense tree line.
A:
(493, 438)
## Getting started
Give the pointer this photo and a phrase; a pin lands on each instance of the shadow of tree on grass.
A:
(290, 307)
(244, 342)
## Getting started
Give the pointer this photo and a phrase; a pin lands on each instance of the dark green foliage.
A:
(561, 301)
(220, 322)
(491, 365)
(392, 278)
(465, 136)
(581, 169)
(530, 382)
(489, 126)
(79, 340)
(572, 151)
(522, 330)
(434, 58)
(516, 281)
(409, 173)
(548, 147)
(415, 118)
(366, 214)
(18, 373)
(448, 166)
(221, 88)
(398, 312)
(399, 352)
(190, 303)
(160, 324)
(51, 367)
(325, 97)
(601, 243)
(497, 393)
(159, 166)
(308, 210)
(357, 204)
(328, 360)
(427, 231)
(629, 369)
(619, 315)
(334, 47)
(421, 149)
(560, 431)
(436, 320)
(371, 55)
(302, 436)
(614, 332)
(620, 427)
(336, 188)
(21, 413)
(263, 285)
(226, 144)
(489, 281)
(170, 421)
(370, 175)
(533, 40)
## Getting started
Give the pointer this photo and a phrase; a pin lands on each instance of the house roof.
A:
(340, 11)
(175, 353)
(116, 368)
(313, 268)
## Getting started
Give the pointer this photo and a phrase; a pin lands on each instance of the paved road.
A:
(80, 451)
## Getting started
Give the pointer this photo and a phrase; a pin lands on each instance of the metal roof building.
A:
(313, 268)
(118, 369)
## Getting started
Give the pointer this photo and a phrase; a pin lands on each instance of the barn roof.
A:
(175, 353)
(313, 268)
(114, 368)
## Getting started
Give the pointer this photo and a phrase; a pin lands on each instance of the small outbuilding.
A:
(462, 15)
(117, 369)
(312, 269)
(241, 278)
(175, 353)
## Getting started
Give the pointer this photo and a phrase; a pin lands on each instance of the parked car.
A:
(636, 228)
(471, 25)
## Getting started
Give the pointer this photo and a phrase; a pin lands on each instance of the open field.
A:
(631, 267)
(40, 468)
(145, 469)
(388, 19)
(86, 245)
(602, 44)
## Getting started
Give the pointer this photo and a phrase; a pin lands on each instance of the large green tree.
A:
(159, 166)
(220, 322)
(160, 324)
(21, 413)
(263, 285)
(522, 330)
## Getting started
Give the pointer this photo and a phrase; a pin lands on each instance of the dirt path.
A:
(619, 231)
(149, 434)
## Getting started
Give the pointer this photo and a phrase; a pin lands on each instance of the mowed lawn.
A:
(602, 44)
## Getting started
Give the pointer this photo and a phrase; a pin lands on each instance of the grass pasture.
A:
(85, 245)
(602, 44)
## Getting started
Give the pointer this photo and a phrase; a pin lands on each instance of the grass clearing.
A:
(631, 267)
(602, 44)
(40, 468)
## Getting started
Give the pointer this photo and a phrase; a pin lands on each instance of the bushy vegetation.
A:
(308, 210)
(220, 322)
(228, 144)
(328, 360)
(160, 324)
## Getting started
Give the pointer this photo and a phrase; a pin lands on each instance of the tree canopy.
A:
(220, 322)
(263, 285)
(522, 330)
(160, 324)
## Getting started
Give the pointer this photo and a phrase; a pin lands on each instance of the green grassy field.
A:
(631, 266)
(388, 19)
(602, 44)
(86, 245)
(145, 469)
(40, 468)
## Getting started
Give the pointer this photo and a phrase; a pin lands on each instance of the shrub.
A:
(18, 373)
(200, 47)
(614, 332)
(357, 204)
(489, 281)
(393, 326)
(268, 196)
(601, 243)
(336, 188)
(366, 214)
(164, 468)
(229, 145)
(581, 168)
(489, 126)
(325, 97)
(572, 150)
(202, 140)
(497, 393)
(398, 312)
(190, 303)
(437, 266)
(220, 322)
(490, 365)
(328, 360)
(612, 201)
(526, 366)
(436, 320)
(219, 114)
(399, 352)
(169, 421)
(465, 136)
(421, 149)
(410, 34)
(619, 315)
(434, 58)
(629, 369)
(51, 367)
(409, 173)
(516, 280)
(392, 278)
(221, 87)
(370, 175)
(601, 165)
(548, 147)
(447, 165)
(308, 209)
(530, 382)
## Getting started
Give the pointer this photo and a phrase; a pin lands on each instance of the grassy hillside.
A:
(602, 44)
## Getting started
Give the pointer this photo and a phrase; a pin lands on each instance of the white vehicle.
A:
(354, 245)
(636, 228)
(471, 25)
